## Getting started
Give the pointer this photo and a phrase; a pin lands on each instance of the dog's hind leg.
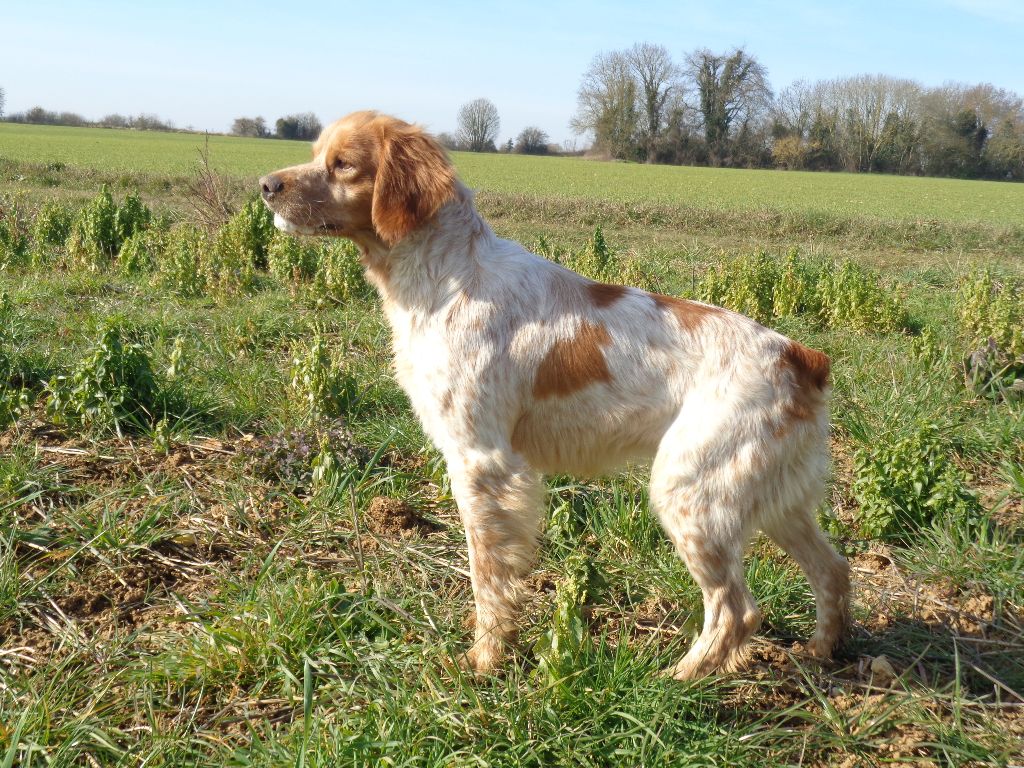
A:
(828, 573)
(700, 510)
(500, 501)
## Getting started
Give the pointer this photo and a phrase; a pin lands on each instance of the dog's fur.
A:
(518, 367)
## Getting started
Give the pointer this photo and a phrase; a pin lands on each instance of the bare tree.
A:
(732, 90)
(114, 120)
(3, 101)
(656, 75)
(606, 105)
(478, 125)
(794, 109)
(871, 109)
(531, 141)
(255, 127)
(447, 140)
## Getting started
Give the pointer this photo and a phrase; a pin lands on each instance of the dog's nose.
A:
(271, 185)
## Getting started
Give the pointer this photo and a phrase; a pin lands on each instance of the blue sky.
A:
(202, 64)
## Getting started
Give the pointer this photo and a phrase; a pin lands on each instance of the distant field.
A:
(886, 197)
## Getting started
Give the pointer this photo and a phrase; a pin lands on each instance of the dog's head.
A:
(371, 177)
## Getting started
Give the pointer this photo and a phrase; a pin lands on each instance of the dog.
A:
(518, 367)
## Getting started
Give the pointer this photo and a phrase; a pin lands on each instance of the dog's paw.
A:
(819, 648)
(482, 659)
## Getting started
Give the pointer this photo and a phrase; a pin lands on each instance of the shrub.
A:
(904, 483)
(991, 315)
(992, 309)
(598, 261)
(101, 227)
(854, 297)
(755, 286)
(131, 218)
(290, 259)
(94, 237)
(339, 275)
(13, 239)
(143, 251)
(113, 386)
(323, 388)
(251, 232)
(14, 398)
(228, 265)
(766, 288)
(180, 264)
(50, 230)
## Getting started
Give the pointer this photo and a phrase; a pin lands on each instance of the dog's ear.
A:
(414, 179)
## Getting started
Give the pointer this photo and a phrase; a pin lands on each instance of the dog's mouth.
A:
(291, 228)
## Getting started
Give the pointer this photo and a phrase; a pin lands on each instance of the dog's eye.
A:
(340, 165)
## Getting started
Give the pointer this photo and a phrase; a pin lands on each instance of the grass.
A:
(829, 195)
(191, 595)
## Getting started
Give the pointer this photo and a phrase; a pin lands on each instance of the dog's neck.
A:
(422, 272)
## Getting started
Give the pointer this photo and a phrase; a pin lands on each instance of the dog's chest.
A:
(422, 365)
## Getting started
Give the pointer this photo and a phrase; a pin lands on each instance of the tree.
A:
(868, 106)
(732, 91)
(447, 140)
(656, 78)
(793, 111)
(478, 125)
(606, 105)
(970, 131)
(532, 141)
(3, 100)
(114, 120)
(1005, 150)
(301, 127)
(255, 127)
(150, 122)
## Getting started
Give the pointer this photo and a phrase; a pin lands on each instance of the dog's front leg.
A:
(500, 500)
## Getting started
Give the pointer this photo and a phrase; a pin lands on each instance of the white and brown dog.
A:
(517, 366)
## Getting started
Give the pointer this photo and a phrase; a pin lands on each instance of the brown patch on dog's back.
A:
(809, 370)
(690, 314)
(605, 294)
(572, 364)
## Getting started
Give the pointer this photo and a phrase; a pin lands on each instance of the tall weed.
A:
(991, 308)
(339, 275)
(767, 288)
(903, 483)
(179, 265)
(320, 386)
(13, 234)
(50, 230)
(100, 228)
(599, 261)
(112, 387)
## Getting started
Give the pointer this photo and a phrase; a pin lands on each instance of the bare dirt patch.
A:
(395, 518)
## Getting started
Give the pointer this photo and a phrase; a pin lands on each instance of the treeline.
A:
(40, 116)
(719, 109)
(303, 127)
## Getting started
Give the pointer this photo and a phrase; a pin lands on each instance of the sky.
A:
(202, 64)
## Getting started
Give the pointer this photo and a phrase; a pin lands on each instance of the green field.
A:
(853, 195)
(224, 539)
